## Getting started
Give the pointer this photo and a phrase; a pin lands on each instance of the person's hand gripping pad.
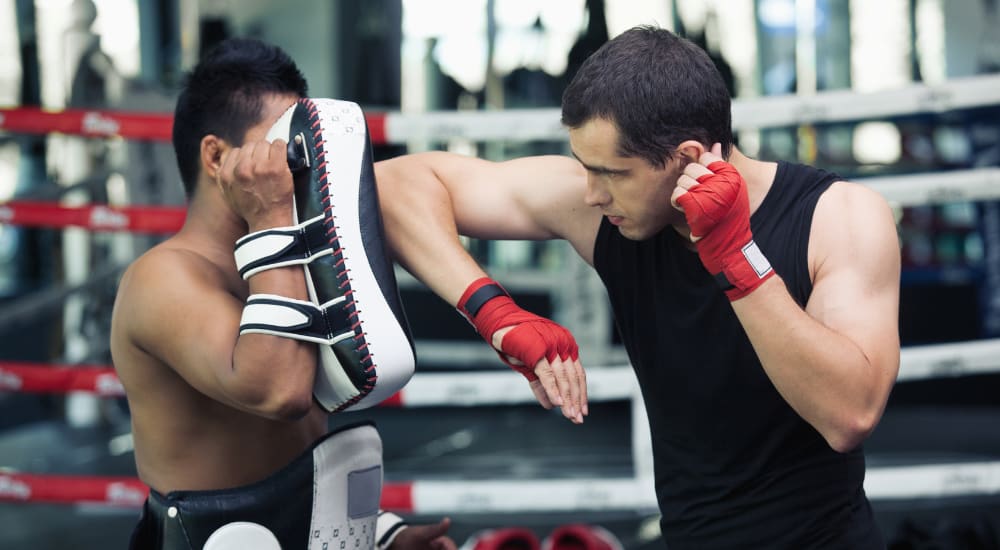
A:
(366, 351)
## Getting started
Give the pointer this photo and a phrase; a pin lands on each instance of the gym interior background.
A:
(826, 66)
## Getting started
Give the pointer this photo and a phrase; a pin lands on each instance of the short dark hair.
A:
(224, 95)
(657, 88)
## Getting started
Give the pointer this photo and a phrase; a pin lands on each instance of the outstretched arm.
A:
(429, 199)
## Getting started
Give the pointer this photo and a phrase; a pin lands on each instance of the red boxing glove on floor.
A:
(489, 308)
(718, 211)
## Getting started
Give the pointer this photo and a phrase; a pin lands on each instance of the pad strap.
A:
(281, 247)
(297, 319)
(387, 527)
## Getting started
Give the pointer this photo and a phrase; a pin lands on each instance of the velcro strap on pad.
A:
(297, 319)
(387, 527)
(281, 247)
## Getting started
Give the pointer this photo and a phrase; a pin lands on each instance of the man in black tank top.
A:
(758, 301)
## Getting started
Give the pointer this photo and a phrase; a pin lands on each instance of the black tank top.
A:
(735, 466)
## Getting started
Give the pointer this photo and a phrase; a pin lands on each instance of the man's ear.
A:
(212, 147)
(690, 151)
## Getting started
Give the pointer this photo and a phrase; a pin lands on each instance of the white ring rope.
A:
(618, 382)
(748, 114)
(977, 184)
(637, 494)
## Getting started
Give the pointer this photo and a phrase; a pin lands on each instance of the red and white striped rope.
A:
(88, 123)
(95, 217)
(467, 389)
(904, 190)
(123, 491)
(62, 489)
(470, 389)
(41, 378)
(956, 479)
(544, 124)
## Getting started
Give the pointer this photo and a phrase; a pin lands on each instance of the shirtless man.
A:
(217, 414)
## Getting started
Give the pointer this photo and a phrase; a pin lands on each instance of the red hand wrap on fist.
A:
(489, 308)
(718, 211)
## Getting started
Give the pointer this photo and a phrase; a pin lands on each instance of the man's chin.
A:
(632, 234)
(641, 233)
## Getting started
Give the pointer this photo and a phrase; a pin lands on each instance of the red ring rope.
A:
(95, 217)
(129, 492)
(26, 377)
(129, 125)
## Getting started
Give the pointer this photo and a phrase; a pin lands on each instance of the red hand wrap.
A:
(532, 339)
(718, 210)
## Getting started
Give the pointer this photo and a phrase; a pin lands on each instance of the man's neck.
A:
(759, 176)
(211, 221)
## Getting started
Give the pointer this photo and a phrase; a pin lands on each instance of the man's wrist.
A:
(743, 271)
(269, 222)
(476, 295)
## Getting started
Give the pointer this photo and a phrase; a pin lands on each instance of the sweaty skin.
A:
(209, 410)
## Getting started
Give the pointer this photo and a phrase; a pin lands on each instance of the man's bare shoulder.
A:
(853, 219)
(159, 269)
(850, 209)
(159, 284)
(847, 193)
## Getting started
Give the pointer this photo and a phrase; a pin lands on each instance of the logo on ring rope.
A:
(108, 384)
(12, 488)
(10, 381)
(6, 214)
(94, 123)
(124, 494)
(102, 217)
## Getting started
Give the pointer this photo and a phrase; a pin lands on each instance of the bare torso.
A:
(184, 439)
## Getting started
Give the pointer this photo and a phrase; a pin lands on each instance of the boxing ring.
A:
(630, 490)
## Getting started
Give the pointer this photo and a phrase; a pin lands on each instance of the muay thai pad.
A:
(326, 498)
(354, 313)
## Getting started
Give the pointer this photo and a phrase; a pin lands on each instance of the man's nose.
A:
(596, 195)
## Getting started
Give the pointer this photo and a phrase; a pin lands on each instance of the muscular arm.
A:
(173, 307)
(835, 362)
(429, 199)
(182, 302)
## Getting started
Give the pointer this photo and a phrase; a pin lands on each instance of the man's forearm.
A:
(821, 373)
(421, 231)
